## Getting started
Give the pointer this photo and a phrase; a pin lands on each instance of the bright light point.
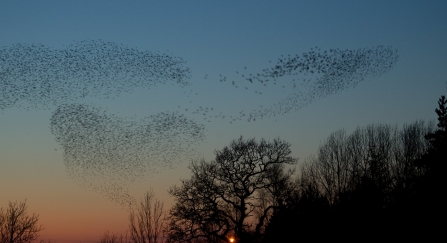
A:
(231, 239)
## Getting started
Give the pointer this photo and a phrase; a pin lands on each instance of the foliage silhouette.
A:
(366, 184)
(436, 156)
(431, 187)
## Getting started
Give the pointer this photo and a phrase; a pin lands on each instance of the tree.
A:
(436, 157)
(223, 197)
(16, 226)
(146, 222)
(363, 182)
(432, 184)
(114, 238)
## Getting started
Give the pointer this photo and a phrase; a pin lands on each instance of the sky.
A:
(174, 81)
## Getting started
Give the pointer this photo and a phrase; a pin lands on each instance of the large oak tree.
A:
(233, 195)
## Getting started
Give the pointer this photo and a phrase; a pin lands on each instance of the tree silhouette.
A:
(435, 159)
(114, 238)
(223, 197)
(431, 187)
(146, 223)
(16, 226)
(364, 183)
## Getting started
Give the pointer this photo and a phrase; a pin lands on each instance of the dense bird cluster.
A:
(36, 76)
(312, 75)
(106, 152)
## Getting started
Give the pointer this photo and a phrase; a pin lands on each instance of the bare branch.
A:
(16, 226)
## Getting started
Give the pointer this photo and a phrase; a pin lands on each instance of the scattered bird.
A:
(317, 74)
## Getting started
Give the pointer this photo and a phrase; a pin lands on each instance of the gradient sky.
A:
(213, 38)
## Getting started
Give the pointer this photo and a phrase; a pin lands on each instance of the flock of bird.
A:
(37, 76)
(106, 153)
(310, 76)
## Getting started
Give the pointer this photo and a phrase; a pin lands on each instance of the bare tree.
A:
(16, 226)
(146, 223)
(379, 158)
(223, 197)
(114, 238)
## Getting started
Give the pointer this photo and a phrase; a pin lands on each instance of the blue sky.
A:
(214, 38)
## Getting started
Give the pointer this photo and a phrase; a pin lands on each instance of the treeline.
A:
(380, 182)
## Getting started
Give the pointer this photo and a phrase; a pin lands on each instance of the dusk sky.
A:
(221, 87)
